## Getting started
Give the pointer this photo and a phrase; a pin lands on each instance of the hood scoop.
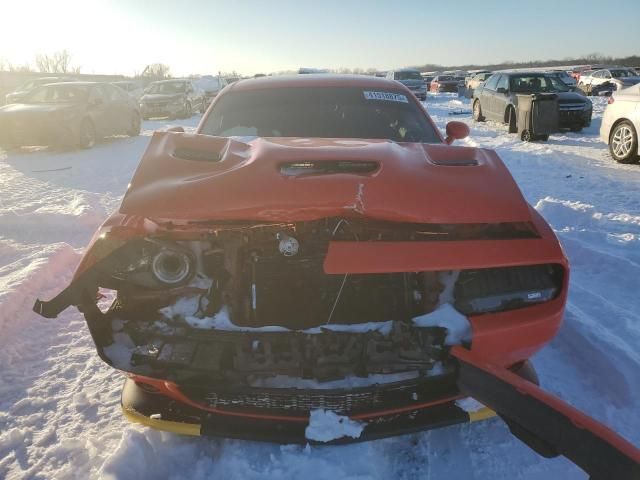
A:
(303, 179)
(327, 167)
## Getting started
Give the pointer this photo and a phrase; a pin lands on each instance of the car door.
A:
(501, 98)
(117, 109)
(123, 109)
(99, 111)
(486, 96)
(194, 96)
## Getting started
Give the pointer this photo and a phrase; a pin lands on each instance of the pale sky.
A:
(199, 36)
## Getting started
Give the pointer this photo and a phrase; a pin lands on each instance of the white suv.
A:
(621, 124)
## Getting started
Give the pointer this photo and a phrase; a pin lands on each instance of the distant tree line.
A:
(61, 62)
(591, 59)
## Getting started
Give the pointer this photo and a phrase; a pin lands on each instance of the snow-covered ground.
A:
(59, 404)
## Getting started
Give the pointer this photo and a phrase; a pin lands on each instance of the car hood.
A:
(412, 83)
(157, 97)
(190, 177)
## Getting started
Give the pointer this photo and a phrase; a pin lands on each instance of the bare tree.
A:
(7, 66)
(57, 62)
(156, 70)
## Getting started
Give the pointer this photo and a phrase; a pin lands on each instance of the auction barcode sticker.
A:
(389, 97)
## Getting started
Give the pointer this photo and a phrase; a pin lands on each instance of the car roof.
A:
(171, 80)
(311, 80)
(76, 83)
(526, 74)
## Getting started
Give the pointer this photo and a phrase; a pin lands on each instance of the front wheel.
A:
(87, 135)
(477, 111)
(623, 143)
(511, 120)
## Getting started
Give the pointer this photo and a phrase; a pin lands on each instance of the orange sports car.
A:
(319, 246)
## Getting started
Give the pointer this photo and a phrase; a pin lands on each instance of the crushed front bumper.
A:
(151, 408)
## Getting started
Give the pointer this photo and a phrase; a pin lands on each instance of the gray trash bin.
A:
(538, 116)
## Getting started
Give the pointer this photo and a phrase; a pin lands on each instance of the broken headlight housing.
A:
(154, 264)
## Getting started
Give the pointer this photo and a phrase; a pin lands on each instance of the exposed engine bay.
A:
(240, 302)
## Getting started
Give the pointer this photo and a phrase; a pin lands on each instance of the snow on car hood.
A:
(191, 177)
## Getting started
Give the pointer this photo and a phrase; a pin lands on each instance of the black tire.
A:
(87, 134)
(136, 126)
(511, 120)
(526, 136)
(477, 111)
(623, 143)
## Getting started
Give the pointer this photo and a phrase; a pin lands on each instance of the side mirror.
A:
(456, 131)
(501, 90)
(176, 129)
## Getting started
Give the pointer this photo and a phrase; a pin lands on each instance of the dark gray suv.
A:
(497, 99)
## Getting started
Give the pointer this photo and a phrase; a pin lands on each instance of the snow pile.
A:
(187, 308)
(350, 381)
(469, 404)
(457, 325)
(325, 425)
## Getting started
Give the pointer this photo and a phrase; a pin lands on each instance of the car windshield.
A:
(167, 87)
(537, 83)
(621, 73)
(62, 93)
(326, 112)
(408, 76)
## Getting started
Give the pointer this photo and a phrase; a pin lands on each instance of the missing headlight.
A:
(498, 289)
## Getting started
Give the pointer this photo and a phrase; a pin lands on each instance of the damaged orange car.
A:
(319, 246)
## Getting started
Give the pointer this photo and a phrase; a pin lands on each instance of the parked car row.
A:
(60, 111)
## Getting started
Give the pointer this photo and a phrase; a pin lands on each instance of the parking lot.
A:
(65, 413)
